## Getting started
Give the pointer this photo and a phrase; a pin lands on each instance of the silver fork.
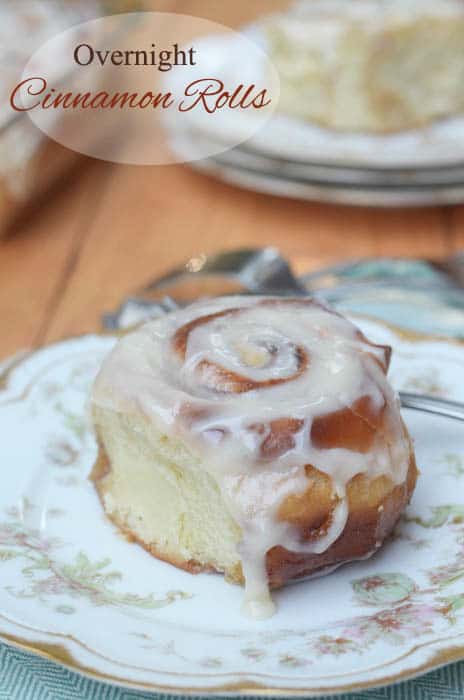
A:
(431, 404)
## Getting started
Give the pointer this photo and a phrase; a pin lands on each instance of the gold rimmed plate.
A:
(74, 590)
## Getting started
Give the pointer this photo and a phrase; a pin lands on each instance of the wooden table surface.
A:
(115, 227)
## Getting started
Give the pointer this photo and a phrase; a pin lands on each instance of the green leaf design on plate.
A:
(455, 464)
(46, 577)
(65, 609)
(451, 606)
(6, 555)
(440, 516)
(73, 421)
(456, 602)
(383, 588)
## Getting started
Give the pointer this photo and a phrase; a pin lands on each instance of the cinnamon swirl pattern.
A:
(253, 435)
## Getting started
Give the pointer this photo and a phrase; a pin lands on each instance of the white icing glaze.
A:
(187, 384)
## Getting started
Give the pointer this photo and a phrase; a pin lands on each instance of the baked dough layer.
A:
(156, 491)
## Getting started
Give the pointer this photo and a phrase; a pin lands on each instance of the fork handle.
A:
(430, 404)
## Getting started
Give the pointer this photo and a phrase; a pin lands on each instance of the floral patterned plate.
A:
(74, 590)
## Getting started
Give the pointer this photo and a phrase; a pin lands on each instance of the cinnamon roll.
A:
(255, 436)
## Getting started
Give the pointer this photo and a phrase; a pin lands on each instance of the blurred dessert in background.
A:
(370, 65)
(30, 163)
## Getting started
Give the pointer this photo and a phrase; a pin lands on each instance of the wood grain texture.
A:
(117, 227)
(35, 261)
(455, 226)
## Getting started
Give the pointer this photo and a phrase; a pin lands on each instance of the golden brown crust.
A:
(352, 428)
(374, 509)
(375, 505)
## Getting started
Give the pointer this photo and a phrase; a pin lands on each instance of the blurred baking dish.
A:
(30, 163)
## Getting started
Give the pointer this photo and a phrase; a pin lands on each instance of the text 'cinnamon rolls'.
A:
(256, 436)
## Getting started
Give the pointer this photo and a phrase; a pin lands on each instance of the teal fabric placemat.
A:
(26, 677)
